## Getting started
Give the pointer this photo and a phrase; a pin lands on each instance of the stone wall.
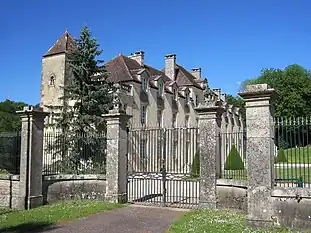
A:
(232, 194)
(73, 187)
(292, 207)
(9, 190)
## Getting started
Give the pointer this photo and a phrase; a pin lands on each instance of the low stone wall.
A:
(9, 190)
(232, 194)
(292, 207)
(73, 187)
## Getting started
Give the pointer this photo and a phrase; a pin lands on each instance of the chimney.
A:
(196, 72)
(170, 61)
(138, 56)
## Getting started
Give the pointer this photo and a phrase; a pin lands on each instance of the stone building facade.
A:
(153, 98)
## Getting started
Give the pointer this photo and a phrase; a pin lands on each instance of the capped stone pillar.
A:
(259, 151)
(209, 122)
(30, 185)
(116, 162)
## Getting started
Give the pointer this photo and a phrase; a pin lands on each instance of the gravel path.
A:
(131, 219)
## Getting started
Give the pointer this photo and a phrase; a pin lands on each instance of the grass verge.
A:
(216, 221)
(48, 215)
(299, 155)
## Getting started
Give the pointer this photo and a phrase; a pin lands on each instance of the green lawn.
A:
(216, 221)
(299, 155)
(48, 215)
(234, 174)
(305, 173)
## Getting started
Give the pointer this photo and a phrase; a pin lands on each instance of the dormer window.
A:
(196, 100)
(144, 84)
(127, 89)
(175, 94)
(160, 88)
(187, 97)
(174, 120)
(52, 81)
(143, 114)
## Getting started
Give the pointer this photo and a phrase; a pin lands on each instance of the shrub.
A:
(4, 171)
(234, 160)
(195, 171)
(280, 158)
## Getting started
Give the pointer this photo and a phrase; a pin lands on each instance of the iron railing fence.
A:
(292, 152)
(10, 150)
(78, 154)
(232, 150)
(164, 166)
(147, 147)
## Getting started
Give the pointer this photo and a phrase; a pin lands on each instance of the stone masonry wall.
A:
(73, 187)
(292, 207)
(9, 191)
(232, 194)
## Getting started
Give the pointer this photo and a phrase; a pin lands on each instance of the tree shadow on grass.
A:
(33, 227)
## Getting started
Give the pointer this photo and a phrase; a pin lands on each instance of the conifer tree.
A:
(81, 123)
(234, 160)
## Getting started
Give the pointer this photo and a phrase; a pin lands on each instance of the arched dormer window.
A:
(160, 88)
(52, 81)
(144, 84)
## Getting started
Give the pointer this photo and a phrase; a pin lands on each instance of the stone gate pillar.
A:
(259, 152)
(30, 185)
(209, 122)
(116, 163)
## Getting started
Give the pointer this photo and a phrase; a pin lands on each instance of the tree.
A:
(234, 160)
(82, 123)
(280, 158)
(292, 86)
(9, 120)
(196, 165)
(237, 102)
(10, 125)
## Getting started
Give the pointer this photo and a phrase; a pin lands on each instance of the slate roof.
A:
(184, 78)
(63, 44)
(123, 68)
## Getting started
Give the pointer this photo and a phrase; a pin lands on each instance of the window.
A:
(196, 100)
(144, 84)
(127, 89)
(143, 152)
(187, 97)
(159, 117)
(52, 81)
(160, 88)
(175, 150)
(143, 113)
(187, 121)
(175, 94)
(174, 120)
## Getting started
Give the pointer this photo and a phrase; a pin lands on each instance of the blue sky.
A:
(230, 40)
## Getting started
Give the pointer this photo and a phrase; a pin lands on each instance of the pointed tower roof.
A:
(62, 45)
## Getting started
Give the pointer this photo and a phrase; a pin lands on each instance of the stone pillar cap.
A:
(257, 90)
(32, 110)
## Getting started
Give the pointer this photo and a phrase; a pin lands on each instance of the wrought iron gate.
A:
(163, 167)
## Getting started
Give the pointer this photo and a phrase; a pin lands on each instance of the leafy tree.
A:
(292, 86)
(9, 120)
(237, 102)
(293, 94)
(234, 160)
(82, 123)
